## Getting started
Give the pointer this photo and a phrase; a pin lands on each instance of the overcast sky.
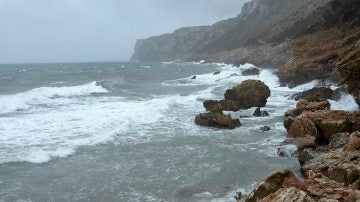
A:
(96, 30)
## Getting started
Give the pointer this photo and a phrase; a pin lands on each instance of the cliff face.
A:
(181, 43)
(256, 36)
(305, 39)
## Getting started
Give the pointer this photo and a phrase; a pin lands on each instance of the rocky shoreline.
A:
(328, 145)
(306, 40)
(327, 141)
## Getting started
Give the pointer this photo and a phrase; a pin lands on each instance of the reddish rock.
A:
(330, 122)
(216, 118)
(339, 165)
(250, 93)
(307, 104)
(304, 142)
(312, 104)
(288, 194)
(353, 143)
(273, 183)
(303, 127)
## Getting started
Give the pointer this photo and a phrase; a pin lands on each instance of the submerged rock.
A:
(259, 113)
(216, 73)
(216, 118)
(250, 72)
(265, 128)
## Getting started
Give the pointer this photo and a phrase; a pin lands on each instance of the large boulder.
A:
(307, 104)
(273, 183)
(216, 118)
(250, 93)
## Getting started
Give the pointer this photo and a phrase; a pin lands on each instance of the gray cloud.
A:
(96, 30)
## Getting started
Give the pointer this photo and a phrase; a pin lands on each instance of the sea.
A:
(124, 131)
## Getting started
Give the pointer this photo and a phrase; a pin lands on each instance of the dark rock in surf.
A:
(216, 73)
(250, 72)
(259, 113)
(265, 128)
(215, 118)
(194, 77)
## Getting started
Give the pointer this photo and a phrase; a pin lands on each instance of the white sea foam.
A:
(227, 74)
(22, 101)
(346, 103)
(52, 133)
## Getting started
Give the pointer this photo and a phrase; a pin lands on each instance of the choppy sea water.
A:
(125, 132)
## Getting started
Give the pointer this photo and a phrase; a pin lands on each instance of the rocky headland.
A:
(304, 40)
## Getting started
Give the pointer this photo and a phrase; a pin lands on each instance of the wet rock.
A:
(194, 77)
(250, 72)
(319, 92)
(216, 118)
(305, 142)
(338, 164)
(259, 113)
(288, 194)
(330, 122)
(307, 104)
(284, 186)
(238, 196)
(250, 93)
(265, 128)
(306, 155)
(273, 183)
(322, 124)
(216, 73)
(230, 105)
(354, 142)
(209, 104)
(338, 140)
(286, 151)
(303, 127)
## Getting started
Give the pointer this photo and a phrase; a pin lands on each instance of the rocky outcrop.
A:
(307, 104)
(250, 93)
(285, 186)
(216, 118)
(319, 92)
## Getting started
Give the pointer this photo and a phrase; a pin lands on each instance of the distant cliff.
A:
(180, 44)
(305, 39)
(257, 35)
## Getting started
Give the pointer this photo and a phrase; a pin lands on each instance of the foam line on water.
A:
(56, 133)
(42, 95)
